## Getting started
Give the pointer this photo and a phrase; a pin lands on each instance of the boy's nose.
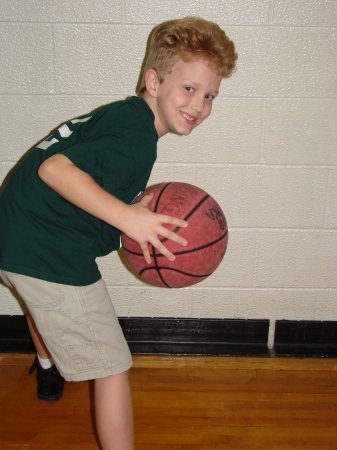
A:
(198, 105)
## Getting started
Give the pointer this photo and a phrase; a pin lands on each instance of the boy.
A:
(70, 199)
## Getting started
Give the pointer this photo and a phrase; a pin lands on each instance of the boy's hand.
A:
(143, 226)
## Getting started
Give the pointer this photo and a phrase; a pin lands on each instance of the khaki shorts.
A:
(78, 325)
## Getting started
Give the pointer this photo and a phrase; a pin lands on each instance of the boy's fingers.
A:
(160, 247)
(164, 250)
(164, 218)
(169, 234)
(174, 237)
(146, 199)
(161, 230)
(174, 221)
(146, 253)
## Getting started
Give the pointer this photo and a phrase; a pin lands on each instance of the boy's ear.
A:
(151, 82)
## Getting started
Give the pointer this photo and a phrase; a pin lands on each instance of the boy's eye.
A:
(209, 97)
(189, 89)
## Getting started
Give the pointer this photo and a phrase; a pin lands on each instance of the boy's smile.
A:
(184, 98)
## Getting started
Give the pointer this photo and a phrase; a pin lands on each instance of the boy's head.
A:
(188, 39)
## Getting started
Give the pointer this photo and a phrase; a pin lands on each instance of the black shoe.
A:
(50, 383)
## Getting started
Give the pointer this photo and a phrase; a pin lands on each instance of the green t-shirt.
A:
(42, 235)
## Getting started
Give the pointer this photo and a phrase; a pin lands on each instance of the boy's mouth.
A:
(189, 119)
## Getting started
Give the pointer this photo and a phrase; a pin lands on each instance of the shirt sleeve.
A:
(107, 159)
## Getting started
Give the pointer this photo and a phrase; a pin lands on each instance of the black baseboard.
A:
(309, 339)
(204, 337)
(14, 335)
(164, 336)
(207, 337)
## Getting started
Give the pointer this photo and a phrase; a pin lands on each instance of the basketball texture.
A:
(207, 237)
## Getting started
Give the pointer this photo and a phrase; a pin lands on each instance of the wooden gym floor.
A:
(184, 403)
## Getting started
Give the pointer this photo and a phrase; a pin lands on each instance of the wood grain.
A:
(184, 403)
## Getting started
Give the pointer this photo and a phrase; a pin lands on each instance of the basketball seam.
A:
(172, 269)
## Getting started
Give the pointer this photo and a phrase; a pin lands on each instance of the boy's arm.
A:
(136, 220)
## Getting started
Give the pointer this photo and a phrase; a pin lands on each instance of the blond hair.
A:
(190, 39)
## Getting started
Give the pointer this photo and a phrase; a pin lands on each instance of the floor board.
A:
(184, 403)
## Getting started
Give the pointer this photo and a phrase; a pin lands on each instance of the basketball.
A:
(206, 233)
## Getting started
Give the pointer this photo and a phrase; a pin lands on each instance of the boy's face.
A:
(184, 98)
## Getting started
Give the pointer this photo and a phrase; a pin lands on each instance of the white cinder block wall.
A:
(267, 154)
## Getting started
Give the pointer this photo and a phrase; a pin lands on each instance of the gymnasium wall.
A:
(267, 153)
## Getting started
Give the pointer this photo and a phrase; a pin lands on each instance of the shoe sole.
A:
(49, 398)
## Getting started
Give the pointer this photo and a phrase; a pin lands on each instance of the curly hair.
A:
(190, 39)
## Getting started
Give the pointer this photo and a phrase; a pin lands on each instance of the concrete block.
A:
(27, 59)
(163, 173)
(331, 204)
(251, 303)
(326, 305)
(226, 12)
(299, 131)
(9, 305)
(237, 269)
(267, 196)
(283, 62)
(305, 13)
(98, 59)
(151, 302)
(297, 259)
(62, 11)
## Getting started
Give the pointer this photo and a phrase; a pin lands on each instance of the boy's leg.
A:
(114, 412)
(40, 346)
(50, 384)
